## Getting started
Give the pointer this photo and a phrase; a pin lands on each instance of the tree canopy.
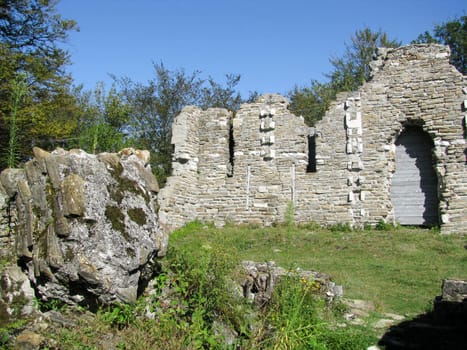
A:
(349, 72)
(454, 34)
(153, 107)
(39, 106)
(30, 31)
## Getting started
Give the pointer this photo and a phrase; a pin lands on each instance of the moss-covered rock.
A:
(86, 225)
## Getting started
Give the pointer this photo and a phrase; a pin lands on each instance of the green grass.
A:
(400, 270)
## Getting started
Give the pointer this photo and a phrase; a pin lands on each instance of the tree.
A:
(102, 120)
(30, 31)
(311, 102)
(155, 105)
(349, 72)
(19, 89)
(216, 95)
(454, 34)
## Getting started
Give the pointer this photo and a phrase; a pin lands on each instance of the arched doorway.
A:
(414, 192)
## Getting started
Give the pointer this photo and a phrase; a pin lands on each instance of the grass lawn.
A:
(399, 270)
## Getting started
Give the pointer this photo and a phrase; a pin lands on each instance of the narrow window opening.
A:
(311, 168)
(230, 168)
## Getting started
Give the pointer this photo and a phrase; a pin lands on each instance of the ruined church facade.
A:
(394, 151)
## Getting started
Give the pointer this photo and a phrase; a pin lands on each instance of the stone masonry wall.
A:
(249, 167)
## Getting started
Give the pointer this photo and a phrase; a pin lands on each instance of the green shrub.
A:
(299, 318)
(120, 315)
(340, 227)
(384, 226)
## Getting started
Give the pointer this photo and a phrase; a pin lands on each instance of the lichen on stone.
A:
(116, 218)
(137, 215)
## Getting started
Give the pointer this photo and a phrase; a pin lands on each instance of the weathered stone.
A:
(54, 253)
(74, 247)
(261, 279)
(454, 290)
(73, 195)
(4, 198)
(61, 227)
(383, 323)
(16, 295)
(250, 167)
(26, 218)
(40, 155)
(28, 340)
(9, 179)
(451, 306)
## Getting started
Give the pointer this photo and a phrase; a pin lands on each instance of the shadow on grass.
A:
(443, 328)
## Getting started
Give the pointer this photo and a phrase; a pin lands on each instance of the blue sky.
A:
(273, 44)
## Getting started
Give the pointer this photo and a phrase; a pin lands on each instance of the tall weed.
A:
(299, 318)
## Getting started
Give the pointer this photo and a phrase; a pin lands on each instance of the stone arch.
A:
(414, 185)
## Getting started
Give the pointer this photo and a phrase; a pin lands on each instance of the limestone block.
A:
(73, 195)
(454, 290)
(16, 294)
(9, 179)
(257, 204)
(54, 254)
(110, 231)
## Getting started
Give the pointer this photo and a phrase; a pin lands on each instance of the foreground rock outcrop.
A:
(85, 227)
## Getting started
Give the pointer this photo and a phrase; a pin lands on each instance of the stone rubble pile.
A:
(261, 279)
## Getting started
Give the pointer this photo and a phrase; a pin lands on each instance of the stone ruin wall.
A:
(247, 168)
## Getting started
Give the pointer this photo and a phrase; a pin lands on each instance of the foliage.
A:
(102, 120)
(454, 34)
(349, 72)
(300, 319)
(194, 305)
(154, 105)
(400, 269)
(312, 101)
(30, 31)
(384, 226)
(340, 227)
(289, 217)
(120, 315)
(19, 89)
(9, 331)
(200, 293)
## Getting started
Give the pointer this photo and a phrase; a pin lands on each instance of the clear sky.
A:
(273, 44)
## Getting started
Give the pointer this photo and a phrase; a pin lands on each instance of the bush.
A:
(299, 318)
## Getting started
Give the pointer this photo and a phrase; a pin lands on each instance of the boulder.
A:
(16, 295)
(86, 226)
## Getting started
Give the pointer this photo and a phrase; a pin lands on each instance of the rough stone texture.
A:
(16, 295)
(247, 168)
(451, 306)
(28, 340)
(443, 328)
(85, 226)
(261, 279)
